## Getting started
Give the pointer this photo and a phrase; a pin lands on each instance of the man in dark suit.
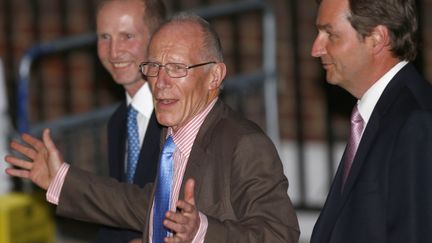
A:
(228, 183)
(123, 30)
(381, 191)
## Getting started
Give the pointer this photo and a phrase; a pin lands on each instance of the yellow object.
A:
(25, 219)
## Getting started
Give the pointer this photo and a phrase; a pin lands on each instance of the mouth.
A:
(166, 102)
(120, 65)
(326, 65)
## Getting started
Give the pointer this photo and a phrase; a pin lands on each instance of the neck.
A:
(379, 68)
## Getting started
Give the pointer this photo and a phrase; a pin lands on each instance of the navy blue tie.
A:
(133, 149)
(163, 190)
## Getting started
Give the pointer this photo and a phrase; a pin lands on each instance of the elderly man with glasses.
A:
(220, 178)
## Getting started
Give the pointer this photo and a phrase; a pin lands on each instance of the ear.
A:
(379, 38)
(217, 74)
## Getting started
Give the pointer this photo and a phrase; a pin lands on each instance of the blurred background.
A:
(50, 76)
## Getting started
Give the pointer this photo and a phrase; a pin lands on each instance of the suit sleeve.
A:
(103, 200)
(259, 197)
(410, 192)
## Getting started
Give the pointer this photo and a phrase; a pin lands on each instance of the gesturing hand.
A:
(44, 159)
(186, 221)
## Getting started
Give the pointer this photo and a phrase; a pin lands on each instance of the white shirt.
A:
(368, 101)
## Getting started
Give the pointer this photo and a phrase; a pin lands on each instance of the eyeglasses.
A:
(174, 70)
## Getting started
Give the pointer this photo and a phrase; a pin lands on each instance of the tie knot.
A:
(356, 117)
(169, 146)
(132, 112)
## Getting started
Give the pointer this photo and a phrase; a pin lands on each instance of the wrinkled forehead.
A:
(176, 41)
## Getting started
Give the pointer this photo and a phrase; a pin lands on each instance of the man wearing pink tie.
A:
(381, 192)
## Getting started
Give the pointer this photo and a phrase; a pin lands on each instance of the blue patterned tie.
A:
(163, 190)
(133, 149)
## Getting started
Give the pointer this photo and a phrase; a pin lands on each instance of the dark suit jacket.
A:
(146, 167)
(388, 195)
(240, 186)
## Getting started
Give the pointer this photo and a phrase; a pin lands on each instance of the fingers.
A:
(177, 218)
(34, 142)
(42, 164)
(170, 221)
(27, 151)
(183, 220)
(185, 225)
(177, 223)
(18, 173)
(173, 240)
(23, 164)
(36, 145)
(186, 221)
(185, 207)
(189, 195)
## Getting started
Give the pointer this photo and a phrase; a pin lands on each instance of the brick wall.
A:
(74, 82)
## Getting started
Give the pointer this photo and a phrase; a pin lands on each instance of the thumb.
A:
(46, 137)
(54, 155)
(189, 194)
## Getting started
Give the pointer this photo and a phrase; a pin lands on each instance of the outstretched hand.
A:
(42, 163)
(186, 221)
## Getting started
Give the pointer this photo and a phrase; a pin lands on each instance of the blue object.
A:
(133, 149)
(163, 190)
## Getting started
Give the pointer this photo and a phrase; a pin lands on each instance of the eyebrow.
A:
(324, 26)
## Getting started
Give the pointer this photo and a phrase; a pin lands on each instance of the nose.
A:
(163, 80)
(115, 48)
(318, 47)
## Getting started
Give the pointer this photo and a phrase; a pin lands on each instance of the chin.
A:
(163, 120)
(331, 80)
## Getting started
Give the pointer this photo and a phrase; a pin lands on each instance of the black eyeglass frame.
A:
(186, 68)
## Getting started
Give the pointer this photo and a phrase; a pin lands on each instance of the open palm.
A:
(42, 159)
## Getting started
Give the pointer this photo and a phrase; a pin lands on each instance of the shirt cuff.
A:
(202, 230)
(54, 189)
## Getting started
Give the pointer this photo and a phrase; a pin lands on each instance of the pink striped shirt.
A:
(184, 139)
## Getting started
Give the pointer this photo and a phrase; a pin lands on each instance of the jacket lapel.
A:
(387, 98)
(197, 158)
(367, 139)
(117, 143)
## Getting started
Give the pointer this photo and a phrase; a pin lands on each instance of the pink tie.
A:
(357, 125)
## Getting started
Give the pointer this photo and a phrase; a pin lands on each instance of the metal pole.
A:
(270, 83)
(25, 67)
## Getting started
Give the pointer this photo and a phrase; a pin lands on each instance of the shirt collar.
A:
(142, 101)
(185, 136)
(367, 103)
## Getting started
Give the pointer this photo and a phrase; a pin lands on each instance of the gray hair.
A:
(211, 40)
